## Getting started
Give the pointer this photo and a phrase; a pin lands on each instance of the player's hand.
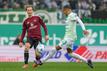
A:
(86, 33)
(20, 44)
(46, 38)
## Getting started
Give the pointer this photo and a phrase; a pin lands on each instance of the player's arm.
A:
(82, 26)
(45, 28)
(23, 34)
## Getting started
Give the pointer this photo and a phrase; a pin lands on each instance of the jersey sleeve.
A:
(43, 25)
(23, 31)
(80, 22)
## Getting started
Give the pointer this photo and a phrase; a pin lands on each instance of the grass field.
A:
(53, 67)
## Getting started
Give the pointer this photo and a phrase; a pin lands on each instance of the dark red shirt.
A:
(32, 26)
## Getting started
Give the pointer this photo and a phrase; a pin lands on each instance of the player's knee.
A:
(27, 45)
(58, 48)
(38, 57)
(69, 50)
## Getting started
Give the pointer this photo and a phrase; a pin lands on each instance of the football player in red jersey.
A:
(32, 26)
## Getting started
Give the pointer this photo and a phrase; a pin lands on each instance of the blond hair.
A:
(27, 6)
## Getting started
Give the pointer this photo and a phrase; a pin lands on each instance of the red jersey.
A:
(32, 26)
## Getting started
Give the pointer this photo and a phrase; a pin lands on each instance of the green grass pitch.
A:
(52, 66)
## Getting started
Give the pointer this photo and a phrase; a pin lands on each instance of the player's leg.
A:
(38, 57)
(51, 53)
(37, 54)
(89, 62)
(26, 55)
(69, 46)
(28, 45)
(71, 53)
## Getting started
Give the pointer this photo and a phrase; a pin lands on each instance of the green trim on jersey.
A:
(70, 28)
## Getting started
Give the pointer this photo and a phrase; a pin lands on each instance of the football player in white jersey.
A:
(69, 38)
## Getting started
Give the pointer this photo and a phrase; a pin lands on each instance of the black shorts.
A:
(33, 42)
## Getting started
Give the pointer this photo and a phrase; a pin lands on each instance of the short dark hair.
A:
(27, 6)
(67, 6)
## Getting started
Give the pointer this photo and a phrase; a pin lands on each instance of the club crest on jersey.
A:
(35, 20)
(31, 24)
(27, 22)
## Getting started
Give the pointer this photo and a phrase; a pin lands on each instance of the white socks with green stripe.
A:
(51, 53)
(78, 56)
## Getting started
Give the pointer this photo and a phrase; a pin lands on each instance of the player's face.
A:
(29, 11)
(65, 11)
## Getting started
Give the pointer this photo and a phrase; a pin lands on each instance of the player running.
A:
(69, 38)
(32, 25)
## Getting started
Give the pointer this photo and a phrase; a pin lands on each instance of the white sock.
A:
(78, 56)
(51, 53)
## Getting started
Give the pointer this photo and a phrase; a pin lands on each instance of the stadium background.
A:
(92, 12)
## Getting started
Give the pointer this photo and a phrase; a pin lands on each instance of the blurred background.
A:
(92, 12)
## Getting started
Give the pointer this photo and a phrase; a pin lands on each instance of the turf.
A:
(53, 67)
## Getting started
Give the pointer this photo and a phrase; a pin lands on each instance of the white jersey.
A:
(70, 29)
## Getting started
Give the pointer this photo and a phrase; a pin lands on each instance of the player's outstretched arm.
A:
(85, 32)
